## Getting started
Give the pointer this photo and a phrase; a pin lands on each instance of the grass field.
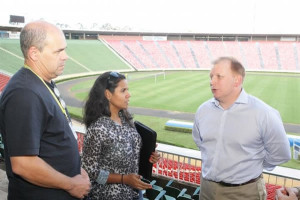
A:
(184, 91)
(84, 56)
(94, 55)
(9, 62)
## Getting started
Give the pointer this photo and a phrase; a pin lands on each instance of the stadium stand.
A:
(269, 56)
(234, 49)
(3, 81)
(126, 53)
(140, 53)
(201, 54)
(153, 61)
(287, 54)
(163, 53)
(297, 55)
(193, 55)
(252, 60)
(216, 49)
(170, 52)
(156, 54)
(134, 53)
(256, 56)
(186, 55)
(120, 37)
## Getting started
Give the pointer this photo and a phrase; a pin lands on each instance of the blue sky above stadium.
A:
(204, 16)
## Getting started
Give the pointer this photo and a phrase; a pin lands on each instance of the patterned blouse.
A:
(111, 148)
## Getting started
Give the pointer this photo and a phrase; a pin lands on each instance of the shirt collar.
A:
(242, 99)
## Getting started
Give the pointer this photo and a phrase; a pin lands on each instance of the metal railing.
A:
(188, 169)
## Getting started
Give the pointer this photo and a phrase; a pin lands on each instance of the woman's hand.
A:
(155, 156)
(134, 180)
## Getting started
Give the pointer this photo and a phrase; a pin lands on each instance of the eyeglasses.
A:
(114, 74)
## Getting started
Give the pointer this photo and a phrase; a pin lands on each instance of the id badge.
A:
(74, 132)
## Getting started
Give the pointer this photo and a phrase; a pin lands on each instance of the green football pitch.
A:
(184, 91)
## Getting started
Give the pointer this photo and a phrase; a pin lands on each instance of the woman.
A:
(112, 144)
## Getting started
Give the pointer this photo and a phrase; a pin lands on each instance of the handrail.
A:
(185, 165)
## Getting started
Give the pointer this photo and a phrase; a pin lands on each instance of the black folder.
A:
(148, 146)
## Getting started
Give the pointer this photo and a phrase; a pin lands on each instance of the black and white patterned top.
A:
(111, 148)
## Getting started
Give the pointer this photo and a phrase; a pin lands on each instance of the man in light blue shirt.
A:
(238, 136)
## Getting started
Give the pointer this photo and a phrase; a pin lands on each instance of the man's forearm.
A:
(38, 172)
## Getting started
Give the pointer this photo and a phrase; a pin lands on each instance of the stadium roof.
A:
(173, 35)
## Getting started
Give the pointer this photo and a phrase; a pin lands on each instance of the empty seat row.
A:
(266, 56)
(168, 192)
(191, 174)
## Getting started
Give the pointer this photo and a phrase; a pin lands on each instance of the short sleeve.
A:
(24, 119)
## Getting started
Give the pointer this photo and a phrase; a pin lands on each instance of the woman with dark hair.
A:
(112, 145)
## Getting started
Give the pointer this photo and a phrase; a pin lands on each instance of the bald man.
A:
(41, 152)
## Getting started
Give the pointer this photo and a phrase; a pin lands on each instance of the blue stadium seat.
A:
(196, 193)
(153, 194)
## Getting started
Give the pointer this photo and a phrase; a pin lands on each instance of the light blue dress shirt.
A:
(236, 144)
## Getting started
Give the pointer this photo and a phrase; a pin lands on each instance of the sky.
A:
(196, 16)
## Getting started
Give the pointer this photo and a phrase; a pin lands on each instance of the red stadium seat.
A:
(3, 81)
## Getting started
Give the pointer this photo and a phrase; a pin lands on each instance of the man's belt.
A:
(240, 184)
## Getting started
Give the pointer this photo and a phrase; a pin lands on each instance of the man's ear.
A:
(33, 53)
(108, 94)
(238, 80)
